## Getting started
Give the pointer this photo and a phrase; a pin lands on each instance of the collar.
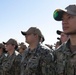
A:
(67, 48)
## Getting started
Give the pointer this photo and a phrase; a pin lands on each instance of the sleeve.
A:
(1, 61)
(47, 64)
(17, 64)
(7, 63)
(59, 63)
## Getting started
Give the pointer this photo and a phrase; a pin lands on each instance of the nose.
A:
(64, 21)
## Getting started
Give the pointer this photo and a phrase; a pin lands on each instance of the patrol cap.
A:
(11, 41)
(2, 46)
(59, 32)
(22, 46)
(32, 30)
(58, 13)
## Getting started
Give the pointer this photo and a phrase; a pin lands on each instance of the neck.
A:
(11, 52)
(73, 39)
(33, 45)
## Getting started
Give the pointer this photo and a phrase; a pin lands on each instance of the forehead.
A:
(66, 15)
(8, 44)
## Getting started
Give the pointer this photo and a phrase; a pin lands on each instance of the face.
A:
(63, 37)
(30, 38)
(69, 24)
(21, 50)
(9, 47)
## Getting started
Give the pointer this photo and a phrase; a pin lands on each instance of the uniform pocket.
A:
(33, 63)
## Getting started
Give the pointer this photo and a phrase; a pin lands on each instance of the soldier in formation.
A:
(65, 55)
(36, 60)
(11, 62)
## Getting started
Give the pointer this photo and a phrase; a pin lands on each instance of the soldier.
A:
(66, 53)
(63, 36)
(22, 47)
(11, 63)
(2, 56)
(36, 60)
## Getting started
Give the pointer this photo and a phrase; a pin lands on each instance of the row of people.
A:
(39, 60)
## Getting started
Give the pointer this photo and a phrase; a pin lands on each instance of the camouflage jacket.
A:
(37, 62)
(1, 61)
(1, 58)
(65, 60)
(11, 64)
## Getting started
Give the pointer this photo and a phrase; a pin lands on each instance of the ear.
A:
(36, 35)
(14, 46)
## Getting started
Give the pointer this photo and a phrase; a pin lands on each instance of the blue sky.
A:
(19, 15)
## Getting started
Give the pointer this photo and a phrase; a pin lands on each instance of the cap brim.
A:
(58, 32)
(23, 33)
(58, 38)
(4, 43)
(58, 14)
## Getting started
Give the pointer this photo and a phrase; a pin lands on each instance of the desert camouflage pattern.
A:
(37, 62)
(65, 60)
(2, 56)
(11, 64)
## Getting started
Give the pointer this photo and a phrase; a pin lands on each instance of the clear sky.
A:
(19, 15)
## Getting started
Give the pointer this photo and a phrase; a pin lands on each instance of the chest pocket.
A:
(71, 65)
(33, 63)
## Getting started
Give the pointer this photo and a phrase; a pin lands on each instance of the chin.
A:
(66, 31)
(70, 33)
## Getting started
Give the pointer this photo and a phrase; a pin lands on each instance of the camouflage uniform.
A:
(1, 61)
(65, 60)
(37, 62)
(11, 64)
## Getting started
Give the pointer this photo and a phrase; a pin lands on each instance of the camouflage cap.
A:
(22, 46)
(32, 30)
(58, 13)
(11, 41)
